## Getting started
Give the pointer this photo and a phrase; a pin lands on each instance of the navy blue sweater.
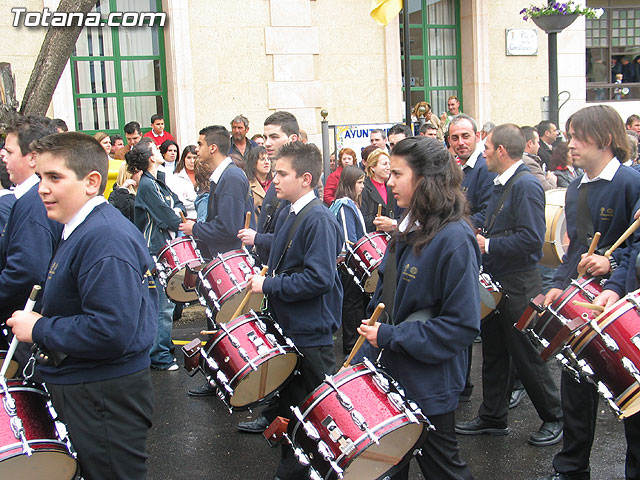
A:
(305, 295)
(429, 358)
(6, 204)
(231, 201)
(271, 209)
(517, 235)
(99, 305)
(477, 185)
(154, 212)
(611, 205)
(26, 248)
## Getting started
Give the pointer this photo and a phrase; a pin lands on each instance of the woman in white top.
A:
(183, 180)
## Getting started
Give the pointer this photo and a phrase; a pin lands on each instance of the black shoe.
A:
(478, 426)
(556, 476)
(516, 397)
(258, 425)
(204, 390)
(549, 433)
(464, 398)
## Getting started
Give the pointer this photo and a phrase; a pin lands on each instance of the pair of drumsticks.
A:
(592, 248)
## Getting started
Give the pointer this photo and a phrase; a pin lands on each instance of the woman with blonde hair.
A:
(123, 196)
(376, 192)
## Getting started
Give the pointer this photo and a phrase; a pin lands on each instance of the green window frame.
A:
(436, 71)
(108, 83)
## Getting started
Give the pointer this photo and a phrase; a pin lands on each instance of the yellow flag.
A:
(383, 11)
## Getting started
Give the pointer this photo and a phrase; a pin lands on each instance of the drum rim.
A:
(34, 443)
(361, 439)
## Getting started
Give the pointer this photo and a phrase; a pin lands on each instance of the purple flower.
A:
(525, 18)
(522, 11)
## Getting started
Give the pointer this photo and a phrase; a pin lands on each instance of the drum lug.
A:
(245, 356)
(211, 363)
(608, 396)
(328, 455)
(636, 340)
(258, 343)
(631, 368)
(609, 342)
(417, 452)
(314, 475)
(342, 398)
(308, 427)
(361, 423)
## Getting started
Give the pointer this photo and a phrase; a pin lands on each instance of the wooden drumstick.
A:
(379, 213)
(184, 219)
(247, 221)
(591, 306)
(360, 341)
(14, 342)
(627, 233)
(208, 332)
(592, 248)
(246, 298)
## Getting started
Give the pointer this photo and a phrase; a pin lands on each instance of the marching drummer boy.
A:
(304, 291)
(100, 384)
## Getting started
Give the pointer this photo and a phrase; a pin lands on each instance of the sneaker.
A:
(516, 397)
(258, 425)
(166, 368)
(173, 367)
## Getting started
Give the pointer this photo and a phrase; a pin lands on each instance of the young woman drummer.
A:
(429, 286)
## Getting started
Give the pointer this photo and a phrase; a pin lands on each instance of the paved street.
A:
(196, 438)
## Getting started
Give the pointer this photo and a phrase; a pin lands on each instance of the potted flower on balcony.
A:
(556, 16)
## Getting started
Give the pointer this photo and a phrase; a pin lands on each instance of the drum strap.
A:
(584, 222)
(491, 219)
(299, 217)
(389, 281)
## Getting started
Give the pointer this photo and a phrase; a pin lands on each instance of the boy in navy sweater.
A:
(511, 244)
(29, 237)
(434, 280)
(303, 289)
(100, 384)
(602, 200)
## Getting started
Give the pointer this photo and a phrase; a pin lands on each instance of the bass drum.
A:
(556, 239)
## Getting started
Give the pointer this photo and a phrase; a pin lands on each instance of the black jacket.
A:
(371, 199)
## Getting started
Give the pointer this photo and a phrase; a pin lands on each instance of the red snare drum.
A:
(490, 296)
(42, 451)
(552, 327)
(249, 359)
(356, 424)
(365, 257)
(222, 281)
(607, 353)
(172, 264)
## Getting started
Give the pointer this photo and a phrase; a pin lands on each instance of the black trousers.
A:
(504, 345)
(316, 363)
(108, 423)
(353, 311)
(580, 409)
(440, 457)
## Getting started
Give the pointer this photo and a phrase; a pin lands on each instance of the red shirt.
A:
(382, 190)
(159, 140)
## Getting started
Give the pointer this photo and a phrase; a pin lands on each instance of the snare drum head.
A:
(556, 238)
(371, 282)
(176, 291)
(13, 365)
(268, 378)
(42, 465)
(379, 459)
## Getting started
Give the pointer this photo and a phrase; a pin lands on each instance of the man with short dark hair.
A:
(133, 134)
(398, 132)
(229, 201)
(548, 132)
(428, 130)
(29, 237)
(240, 144)
(116, 144)
(378, 138)
(633, 123)
(511, 243)
(157, 133)
(530, 158)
